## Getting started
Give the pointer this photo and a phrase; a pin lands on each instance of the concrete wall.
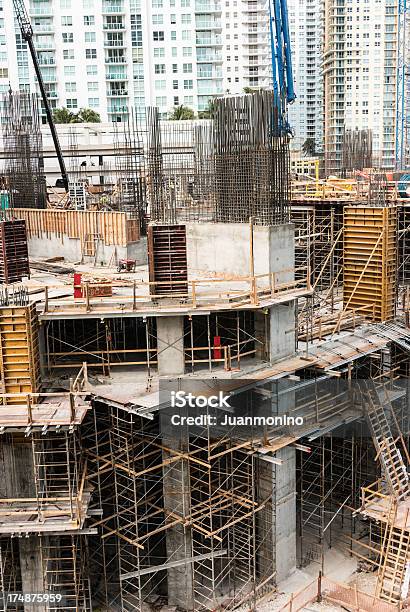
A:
(51, 245)
(285, 506)
(224, 249)
(282, 331)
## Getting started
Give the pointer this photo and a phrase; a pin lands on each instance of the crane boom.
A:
(282, 71)
(27, 34)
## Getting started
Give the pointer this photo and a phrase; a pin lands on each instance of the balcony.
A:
(116, 76)
(46, 61)
(43, 29)
(208, 57)
(41, 46)
(212, 73)
(115, 60)
(208, 41)
(210, 88)
(46, 10)
(208, 24)
(114, 43)
(207, 6)
(113, 8)
(113, 26)
(117, 93)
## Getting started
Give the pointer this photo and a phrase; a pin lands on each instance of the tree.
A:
(63, 115)
(248, 90)
(87, 115)
(181, 113)
(208, 112)
(309, 147)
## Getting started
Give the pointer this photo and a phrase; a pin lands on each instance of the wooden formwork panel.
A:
(14, 261)
(370, 259)
(167, 257)
(114, 228)
(19, 351)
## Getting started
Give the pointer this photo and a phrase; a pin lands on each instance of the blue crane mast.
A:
(401, 93)
(282, 72)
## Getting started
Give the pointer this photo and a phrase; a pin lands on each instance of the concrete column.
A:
(282, 331)
(177, 499)
(17, 480)
(170, 338)
(285, 510)
(262, 335)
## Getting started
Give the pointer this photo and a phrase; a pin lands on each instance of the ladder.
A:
(391, 460)
(394, 559)
(90, 246)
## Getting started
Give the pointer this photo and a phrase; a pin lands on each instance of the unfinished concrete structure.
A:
(102, 500)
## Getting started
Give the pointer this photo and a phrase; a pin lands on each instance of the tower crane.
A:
(282, 71)
(27, 34)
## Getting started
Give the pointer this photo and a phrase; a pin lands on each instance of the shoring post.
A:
(46, 298)
(319, 587)
(72, 408)
(87, 297)
(134, 296)
(29, 410)
(193, 286)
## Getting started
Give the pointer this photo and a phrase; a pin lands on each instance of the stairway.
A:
(391, 460)
(394, 560)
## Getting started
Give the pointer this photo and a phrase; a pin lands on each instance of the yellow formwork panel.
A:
(19, 351)
(370, 259)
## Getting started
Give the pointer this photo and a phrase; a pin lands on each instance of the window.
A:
(176, 100)
(189, 100)
(188, 84)
(92, 85)
(91, 70)
(160, 84)
(66, 20)
(157, 19)
(68, 54)
(68, 37)
(4, 73)
(89, 37)
(186, 34)
(68, 70)
(173, 35)
(71, 103)
(174, 68)
(158, 36)
(89, 20)
(157, 3)
(159, 68)
(65, 4)
(93, 102)
(161, 101)
(159, 52)
(187, 51)
(91, 53)
(173, 19)
(185, 3)
(185, 19)
(186, 68)
(71, 86)
(175, 84)
(88, 4)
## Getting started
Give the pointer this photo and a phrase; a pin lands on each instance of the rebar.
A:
(23, 150)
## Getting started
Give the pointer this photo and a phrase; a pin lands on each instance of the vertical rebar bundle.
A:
(357, 152)
(251, 161)
(130, 186)
(23, 149)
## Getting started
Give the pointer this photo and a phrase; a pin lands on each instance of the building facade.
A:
(306, 23)
(111, 55)
(359, 71)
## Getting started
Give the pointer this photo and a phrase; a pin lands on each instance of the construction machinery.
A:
(27, 34)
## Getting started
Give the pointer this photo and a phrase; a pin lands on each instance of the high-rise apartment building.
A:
(306, 23)
(110, 55)
(360, 75)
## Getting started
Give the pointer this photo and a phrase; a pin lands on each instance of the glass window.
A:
(71, 103)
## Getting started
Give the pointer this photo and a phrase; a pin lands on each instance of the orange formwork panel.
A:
(370, 260)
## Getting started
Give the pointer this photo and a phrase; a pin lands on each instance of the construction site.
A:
(201, 263)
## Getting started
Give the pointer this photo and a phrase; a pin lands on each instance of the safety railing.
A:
(208, 293)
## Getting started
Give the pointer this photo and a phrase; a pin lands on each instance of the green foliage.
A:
(84, 115)
(309, 147)
(181, 113)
